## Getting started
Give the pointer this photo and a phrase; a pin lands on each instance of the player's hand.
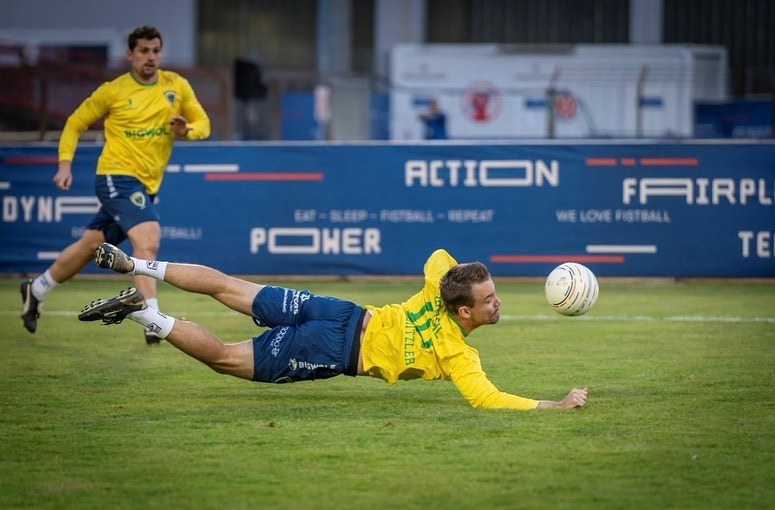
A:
(64, 176)
(179, 125)
(576, 398)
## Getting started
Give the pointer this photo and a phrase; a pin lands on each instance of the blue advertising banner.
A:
(667, 209)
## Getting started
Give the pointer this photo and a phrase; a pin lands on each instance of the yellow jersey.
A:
(419, 339)
(138, 137)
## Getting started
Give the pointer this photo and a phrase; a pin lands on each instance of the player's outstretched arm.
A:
(576, 398)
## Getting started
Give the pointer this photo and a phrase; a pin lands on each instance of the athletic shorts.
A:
(124, 204)
(311, 336)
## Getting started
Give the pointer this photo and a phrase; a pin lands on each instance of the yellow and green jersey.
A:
(138, 137)
(419, 339)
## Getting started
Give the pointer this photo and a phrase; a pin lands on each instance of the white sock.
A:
(154, 321)
(152, 302)
(152, 268)
(42, 285)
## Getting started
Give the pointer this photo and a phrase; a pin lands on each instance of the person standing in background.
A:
(435, 122)
(145, 111)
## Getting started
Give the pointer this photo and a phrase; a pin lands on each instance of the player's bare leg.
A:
(233, 292)
(192, 339)
(75, 257)
(69, 263)
(197, 342)
(145, 238)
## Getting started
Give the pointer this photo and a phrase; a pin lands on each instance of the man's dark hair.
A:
(457, 283)
(144, 32)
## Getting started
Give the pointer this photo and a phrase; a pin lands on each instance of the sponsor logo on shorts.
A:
(285, 301)
(277, 340)
(295, 364)
(298, 297)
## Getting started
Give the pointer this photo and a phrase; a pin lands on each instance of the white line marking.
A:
(48, 255)
(211, 168)
(621, 248)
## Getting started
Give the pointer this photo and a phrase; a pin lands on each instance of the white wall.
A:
(500, 91)
(102, 22)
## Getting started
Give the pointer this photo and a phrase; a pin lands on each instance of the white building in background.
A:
(504, 91)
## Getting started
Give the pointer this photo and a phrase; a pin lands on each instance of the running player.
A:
(145, 110)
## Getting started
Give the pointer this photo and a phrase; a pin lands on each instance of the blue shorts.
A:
(311, 336)
(124, 204)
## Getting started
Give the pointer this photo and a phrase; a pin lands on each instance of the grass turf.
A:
(680, 415)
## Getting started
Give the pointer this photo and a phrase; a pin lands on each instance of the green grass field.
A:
(681, 411)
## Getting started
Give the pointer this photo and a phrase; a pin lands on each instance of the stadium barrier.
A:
(622, 208)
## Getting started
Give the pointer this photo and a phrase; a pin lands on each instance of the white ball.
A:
(571, 289)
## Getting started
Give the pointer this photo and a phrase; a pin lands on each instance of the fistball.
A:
(571, 289)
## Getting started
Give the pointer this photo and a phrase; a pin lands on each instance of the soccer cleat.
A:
(31, 307)
(110, 257)
(114, 310)
(152, 338)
